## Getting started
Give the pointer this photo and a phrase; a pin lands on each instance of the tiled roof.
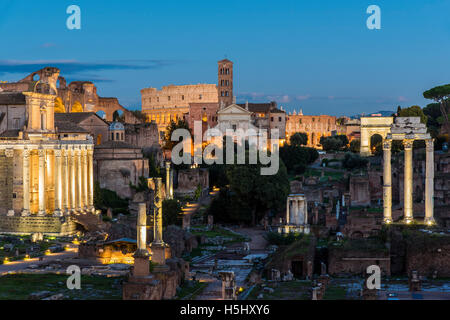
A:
(68, 126)
(75, 117)
(12, 98)
(259, 107)
(9, 134)
(116, 145)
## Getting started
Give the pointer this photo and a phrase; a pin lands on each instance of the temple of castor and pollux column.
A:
(407, 130)
(46, 172)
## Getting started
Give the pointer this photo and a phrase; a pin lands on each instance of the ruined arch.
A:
(118, 115)
(371, 126)
(376, 143)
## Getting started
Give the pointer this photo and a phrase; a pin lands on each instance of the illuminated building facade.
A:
(46, 170)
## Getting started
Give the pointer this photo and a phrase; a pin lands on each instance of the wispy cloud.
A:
(73, 67)
(48, 45)
(281, 98)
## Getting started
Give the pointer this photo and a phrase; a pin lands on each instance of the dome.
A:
(116, 126)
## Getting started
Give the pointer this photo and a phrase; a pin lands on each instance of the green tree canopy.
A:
(331, 143)
(297, 158)
(355, 146)
(172, 212)
(180, 124)
(413, 111)
(299, 139)
(354, 161)
(257, 192)
(440, 94)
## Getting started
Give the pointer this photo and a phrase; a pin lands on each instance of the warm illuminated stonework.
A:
(46, 172)
(314, 126)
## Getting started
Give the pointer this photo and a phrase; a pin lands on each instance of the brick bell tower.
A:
(225, 85)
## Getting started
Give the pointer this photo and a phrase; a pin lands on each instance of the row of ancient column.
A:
(408, 181)
(73, 176)
(297, 211)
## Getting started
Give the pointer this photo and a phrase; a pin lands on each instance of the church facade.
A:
(46, 166)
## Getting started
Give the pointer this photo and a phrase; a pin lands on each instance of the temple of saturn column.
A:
(296, 214)
(408, 129)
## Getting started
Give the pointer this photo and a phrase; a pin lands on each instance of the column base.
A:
(387, 220)
(430, 221)
(58, 213)
(408, 220)
(41, 213)
(25, 213)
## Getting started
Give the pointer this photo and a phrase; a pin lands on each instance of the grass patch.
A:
(292, 290)
(334, 292)
(191, 291)
(20, 286)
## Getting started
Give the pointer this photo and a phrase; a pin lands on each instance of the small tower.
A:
(117, 131)
(225, 85)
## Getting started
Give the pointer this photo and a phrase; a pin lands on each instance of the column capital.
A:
(387, 144)
(26, 153)
(58, 153)
(41, 152)
(408, 143)
(9, 153)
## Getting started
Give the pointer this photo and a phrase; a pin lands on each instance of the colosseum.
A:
(172, 102)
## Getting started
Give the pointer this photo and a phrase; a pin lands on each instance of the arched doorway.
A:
(371, 126)
(376, 144)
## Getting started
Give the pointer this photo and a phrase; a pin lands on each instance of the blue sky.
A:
(315, 55)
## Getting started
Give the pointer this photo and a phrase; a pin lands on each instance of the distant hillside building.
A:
(314, 126)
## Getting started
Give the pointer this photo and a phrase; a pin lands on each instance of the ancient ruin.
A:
(408, 129)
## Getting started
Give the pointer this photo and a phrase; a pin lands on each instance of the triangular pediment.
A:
(234, 109)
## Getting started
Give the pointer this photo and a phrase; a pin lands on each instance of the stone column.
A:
(158, 247)
(387, 182)
(41, 182)
(73, 201)
(288, 204)
(66, 182)
(85, 180)
(305, 212)
(142, 228)
(429, 183)
(167, 179)
(90, 155)
(141, 256)
(58, 183)
(171, 184)
(294, 216)
(79, 169)
(9, 153)
(26, 182)
(158, 237)
(408, 182)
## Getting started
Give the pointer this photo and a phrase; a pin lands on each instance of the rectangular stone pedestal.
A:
(159, 253)
(141, 266)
